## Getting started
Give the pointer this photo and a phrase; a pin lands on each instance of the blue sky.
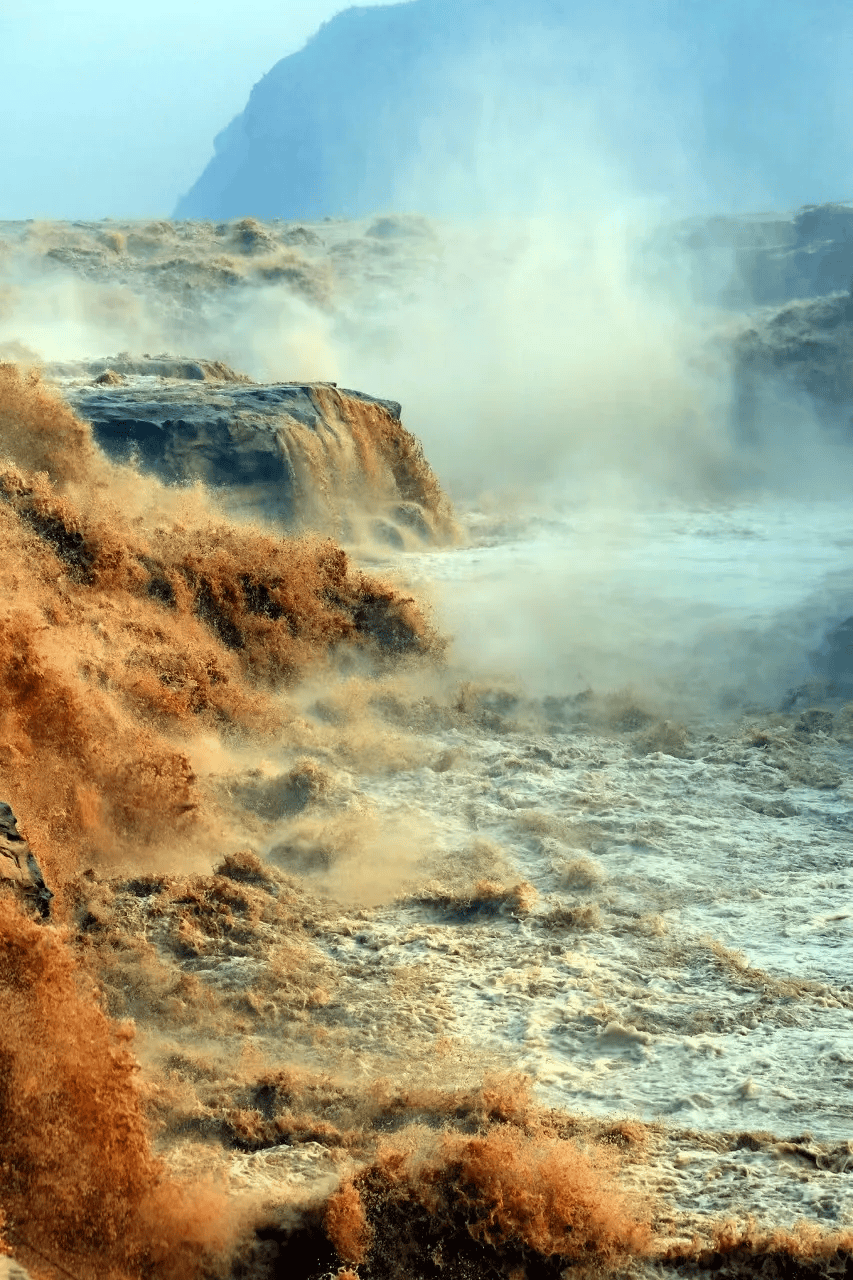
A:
(110, 110)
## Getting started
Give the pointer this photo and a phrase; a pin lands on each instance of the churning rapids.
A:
(474, 900)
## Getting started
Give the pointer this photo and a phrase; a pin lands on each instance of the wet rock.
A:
(769, 808)
(19, 869)
(818, 258)
(304, 454)
(795, 273)
(770, 259)
(411, 515)
(804, 351)
(388, 534)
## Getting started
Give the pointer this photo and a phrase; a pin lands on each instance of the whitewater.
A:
(576, 867)
(707, 836)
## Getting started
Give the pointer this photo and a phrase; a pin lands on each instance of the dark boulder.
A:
(801, 356)
(19, 870)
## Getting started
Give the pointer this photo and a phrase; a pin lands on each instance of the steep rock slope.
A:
(485, 104)
(805, 348)
(767, 259)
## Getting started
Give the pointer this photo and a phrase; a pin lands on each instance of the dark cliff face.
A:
(476, 106)
(791, 280)
(770, 259)
(817, 260)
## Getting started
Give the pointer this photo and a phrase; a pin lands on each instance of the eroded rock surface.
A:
(19, 870)
(305, 454)
(805, 351)
(773, 258)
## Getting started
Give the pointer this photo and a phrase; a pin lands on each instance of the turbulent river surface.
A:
(517, 941)
(685, 955)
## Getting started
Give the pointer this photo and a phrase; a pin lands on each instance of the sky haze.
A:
(111, 110)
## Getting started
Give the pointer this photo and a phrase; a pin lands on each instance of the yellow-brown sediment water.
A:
(415, 914)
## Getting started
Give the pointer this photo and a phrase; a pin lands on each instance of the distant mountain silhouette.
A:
(457, 106)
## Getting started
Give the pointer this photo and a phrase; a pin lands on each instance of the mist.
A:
(538, 358)
(521, 294)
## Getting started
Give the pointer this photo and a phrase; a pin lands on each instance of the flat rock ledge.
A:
(306, 455)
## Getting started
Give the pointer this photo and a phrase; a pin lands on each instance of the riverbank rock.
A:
(768, 259)
(800, 355)
(306, 455)
(19, 870)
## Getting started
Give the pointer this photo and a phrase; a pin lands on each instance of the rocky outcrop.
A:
(772, 259)
(800, 355)
(307, 455)
(817, 260)
(791, 349)
(19, 870)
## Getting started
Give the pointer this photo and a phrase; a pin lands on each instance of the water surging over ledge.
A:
(142, 630)
(135, 614)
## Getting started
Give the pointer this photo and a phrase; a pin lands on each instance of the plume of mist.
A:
(524, 350)
(550, 360)
(553, 373)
